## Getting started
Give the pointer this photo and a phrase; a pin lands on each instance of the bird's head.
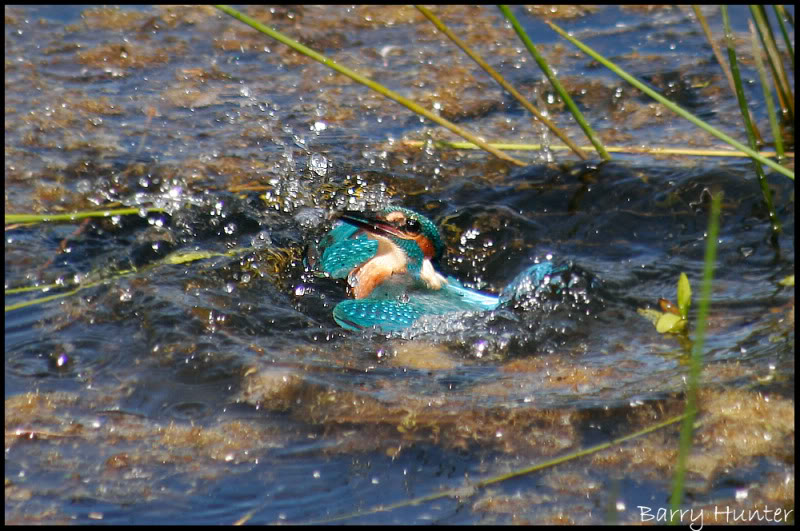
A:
(411, 233)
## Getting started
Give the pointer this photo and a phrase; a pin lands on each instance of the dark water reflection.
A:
(207, 390)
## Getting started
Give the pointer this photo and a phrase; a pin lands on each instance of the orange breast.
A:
(364, 279)
(426, 245)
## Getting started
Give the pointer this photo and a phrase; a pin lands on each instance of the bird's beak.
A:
(372, 224)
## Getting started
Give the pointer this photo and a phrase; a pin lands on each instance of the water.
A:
(217, 387)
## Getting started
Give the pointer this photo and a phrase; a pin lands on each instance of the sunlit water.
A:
(212, 388)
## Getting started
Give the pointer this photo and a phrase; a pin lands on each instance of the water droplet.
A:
(84, 186)
(261, 240)
(480, 347)
(318, 163)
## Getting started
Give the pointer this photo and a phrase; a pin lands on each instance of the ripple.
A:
(63, 355)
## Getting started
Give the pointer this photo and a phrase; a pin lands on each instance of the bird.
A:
(387, 258)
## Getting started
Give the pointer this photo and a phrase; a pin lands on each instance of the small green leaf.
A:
(679, 327)
(669, 322)
(684, 295)
(181, 257)
(787, 281)
(651, 315)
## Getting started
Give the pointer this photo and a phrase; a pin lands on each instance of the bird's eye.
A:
(413, 226)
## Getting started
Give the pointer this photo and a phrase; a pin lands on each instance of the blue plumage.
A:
(341, 257)
(401, 300)
(399, 286)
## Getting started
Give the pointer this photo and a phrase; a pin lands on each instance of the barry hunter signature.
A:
(695, 517)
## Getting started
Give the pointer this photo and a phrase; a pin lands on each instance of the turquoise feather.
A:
(402, 299)
(342, 257)
(398, 303)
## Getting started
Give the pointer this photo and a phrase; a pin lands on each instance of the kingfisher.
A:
(387, 258)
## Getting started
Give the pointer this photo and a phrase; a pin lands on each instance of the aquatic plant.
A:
(670, 320)
(410, 423)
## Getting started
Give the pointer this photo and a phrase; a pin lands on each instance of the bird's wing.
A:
(388, 315)
(398, 302)
(468, 299)
(535, 277)
(341, 252)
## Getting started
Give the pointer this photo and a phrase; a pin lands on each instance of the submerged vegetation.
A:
(666, 322)
(390, 413)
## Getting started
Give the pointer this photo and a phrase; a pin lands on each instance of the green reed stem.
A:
(502, 81)
(471, 489)
(765, 86)
(540, 60)
(748, 126)
(696, 360)
(74, 216)
(670, 105)
(652, 150)
(102, 277)
(780, 14)
(782, 87)
(355, 76)
(718, 55)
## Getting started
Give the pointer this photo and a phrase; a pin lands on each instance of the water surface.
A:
(209, 390)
